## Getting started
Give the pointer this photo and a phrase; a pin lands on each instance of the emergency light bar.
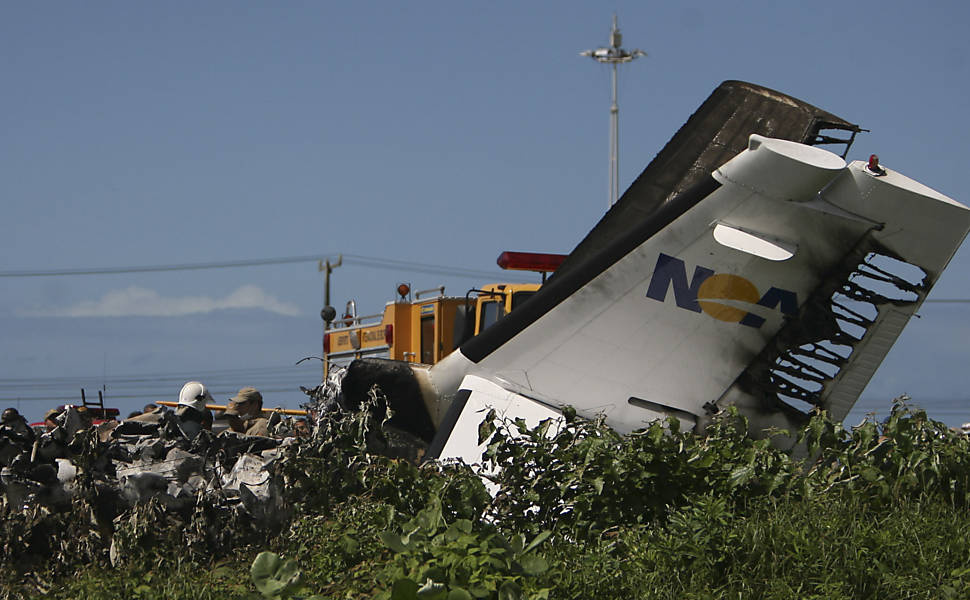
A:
(530, 261)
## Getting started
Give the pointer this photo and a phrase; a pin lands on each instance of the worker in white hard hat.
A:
(192, 411)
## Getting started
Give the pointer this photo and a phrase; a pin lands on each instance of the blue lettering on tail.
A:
(672, 271)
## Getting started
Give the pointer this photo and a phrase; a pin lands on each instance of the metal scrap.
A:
(156, 464)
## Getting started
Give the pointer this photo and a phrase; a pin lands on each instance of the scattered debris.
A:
(161, 464)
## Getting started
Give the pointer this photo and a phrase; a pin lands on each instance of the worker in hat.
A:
(51, 417)
(245, 413)
(192, 411)
(14, 426)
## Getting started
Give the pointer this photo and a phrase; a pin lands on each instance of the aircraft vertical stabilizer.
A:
(777, 284)
(746, 266)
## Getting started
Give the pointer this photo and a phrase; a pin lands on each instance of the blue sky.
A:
(441, 133)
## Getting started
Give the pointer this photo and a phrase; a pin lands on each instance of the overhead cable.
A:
(363, 261)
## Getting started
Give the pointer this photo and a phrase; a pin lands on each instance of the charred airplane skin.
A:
(776, 283)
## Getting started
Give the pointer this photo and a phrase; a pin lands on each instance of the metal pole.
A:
(615, 145)
(328, 313)
(614, 55)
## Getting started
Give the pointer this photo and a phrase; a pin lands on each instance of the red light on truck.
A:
(530, 261)
(389, 334)
(326, 343)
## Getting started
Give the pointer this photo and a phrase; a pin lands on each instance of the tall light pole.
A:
(614, 55)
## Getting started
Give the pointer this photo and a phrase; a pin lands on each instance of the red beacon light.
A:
(530, 261)
(873, 166)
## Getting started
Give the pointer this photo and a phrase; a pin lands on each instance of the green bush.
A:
(875, 512)
(586, 478)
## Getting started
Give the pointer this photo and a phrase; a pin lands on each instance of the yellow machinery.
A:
(427, 327)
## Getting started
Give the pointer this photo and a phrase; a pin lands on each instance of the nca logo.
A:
(716, 293)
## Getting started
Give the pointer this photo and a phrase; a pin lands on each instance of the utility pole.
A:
(328, 313)
(614, 55)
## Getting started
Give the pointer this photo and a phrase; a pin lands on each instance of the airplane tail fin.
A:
(776, 284)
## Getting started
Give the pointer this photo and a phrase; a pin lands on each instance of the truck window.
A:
(492, 311)
(519, 297)
(427, 340)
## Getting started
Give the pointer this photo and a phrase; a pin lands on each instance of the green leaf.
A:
(702, 461)
(960, 572)
(459, 594)
(393, 541)
(509, 591)
(533, 565)
(404, 589)
(349, 545)
(543, 536)
(741, 475)
(274, 576)
(486, 428)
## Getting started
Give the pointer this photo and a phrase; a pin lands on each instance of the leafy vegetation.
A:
(582, 512)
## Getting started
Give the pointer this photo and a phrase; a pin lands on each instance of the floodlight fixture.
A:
(614, 55)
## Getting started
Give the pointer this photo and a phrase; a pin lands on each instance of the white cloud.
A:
(140, 302)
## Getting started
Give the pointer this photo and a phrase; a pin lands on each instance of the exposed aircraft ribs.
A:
(803, 367)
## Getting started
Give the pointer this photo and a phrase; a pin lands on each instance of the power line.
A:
(158, 268)
(138, 377)
(363, 261)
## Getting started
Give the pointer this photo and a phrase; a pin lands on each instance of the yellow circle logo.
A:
(720, 287)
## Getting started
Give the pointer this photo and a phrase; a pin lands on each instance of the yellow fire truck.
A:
(428, 326)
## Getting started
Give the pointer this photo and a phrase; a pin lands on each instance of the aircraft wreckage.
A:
(747, 266)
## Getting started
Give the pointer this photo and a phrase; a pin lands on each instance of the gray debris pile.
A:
(163, 458)
(73, 492)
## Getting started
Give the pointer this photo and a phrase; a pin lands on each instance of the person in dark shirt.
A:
(14, 426)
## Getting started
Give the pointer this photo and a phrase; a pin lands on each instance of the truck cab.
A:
(426, 327)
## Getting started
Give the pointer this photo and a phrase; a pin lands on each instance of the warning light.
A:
(873, 166)
(403, 290)
(326, 344)
(530, 261)
(389, 334)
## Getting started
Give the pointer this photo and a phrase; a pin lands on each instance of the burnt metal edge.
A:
(447, 424)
